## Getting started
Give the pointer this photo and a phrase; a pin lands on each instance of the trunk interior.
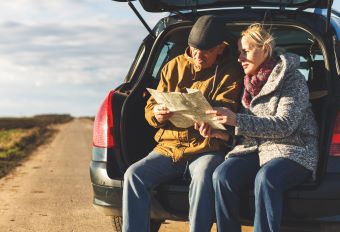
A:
(138, 135)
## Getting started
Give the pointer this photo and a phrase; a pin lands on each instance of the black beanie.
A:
(207, 32)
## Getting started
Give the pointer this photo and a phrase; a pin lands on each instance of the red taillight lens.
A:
(104, 124)
(335, 145)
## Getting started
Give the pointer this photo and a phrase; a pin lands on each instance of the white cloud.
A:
(87, 12)
(64, 56)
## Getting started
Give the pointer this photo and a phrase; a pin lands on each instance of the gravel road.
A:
(51, 190)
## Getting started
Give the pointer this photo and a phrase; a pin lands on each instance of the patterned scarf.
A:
(253, 84)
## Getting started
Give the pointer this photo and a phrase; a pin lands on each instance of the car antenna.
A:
(141, 19)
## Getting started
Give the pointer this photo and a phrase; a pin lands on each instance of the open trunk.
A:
(137, 135)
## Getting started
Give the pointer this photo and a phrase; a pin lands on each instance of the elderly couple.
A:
(275, 132)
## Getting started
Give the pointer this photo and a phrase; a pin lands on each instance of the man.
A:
(206, 65)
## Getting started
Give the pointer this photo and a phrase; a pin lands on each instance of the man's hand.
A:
(207, 131)
(162, 113)
(223, 115)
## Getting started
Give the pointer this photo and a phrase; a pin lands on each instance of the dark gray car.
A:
(121, 135)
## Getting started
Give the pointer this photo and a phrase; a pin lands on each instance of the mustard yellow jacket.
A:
(181, 73)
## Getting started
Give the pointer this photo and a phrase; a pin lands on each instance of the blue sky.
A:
(64, 56)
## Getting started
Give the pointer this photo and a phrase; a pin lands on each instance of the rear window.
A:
(292, 39)
(174, 44)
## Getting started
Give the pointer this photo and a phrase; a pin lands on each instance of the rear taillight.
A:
(335, 145)
(104, 124)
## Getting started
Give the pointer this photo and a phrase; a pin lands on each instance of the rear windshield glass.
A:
(290, 38)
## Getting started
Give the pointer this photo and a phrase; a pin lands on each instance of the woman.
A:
(277, 149)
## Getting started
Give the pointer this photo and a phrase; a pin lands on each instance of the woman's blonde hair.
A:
(260, 37)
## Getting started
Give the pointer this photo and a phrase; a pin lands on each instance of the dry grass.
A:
(20, 136)
(9, 138)
(36, 121)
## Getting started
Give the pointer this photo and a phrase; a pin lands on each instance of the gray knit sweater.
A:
(279, 122)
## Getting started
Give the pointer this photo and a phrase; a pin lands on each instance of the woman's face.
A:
(251, 56)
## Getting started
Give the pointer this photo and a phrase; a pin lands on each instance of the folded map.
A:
(188, 108)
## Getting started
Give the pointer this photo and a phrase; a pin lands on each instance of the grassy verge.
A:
(20, 136)
(36, 121)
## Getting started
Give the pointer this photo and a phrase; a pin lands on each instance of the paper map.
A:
(188, 108)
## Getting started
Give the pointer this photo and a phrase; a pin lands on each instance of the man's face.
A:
(206, 58)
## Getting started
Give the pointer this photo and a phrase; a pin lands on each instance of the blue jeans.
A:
(154, 169)
(239, 174)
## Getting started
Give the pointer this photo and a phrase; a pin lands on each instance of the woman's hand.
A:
(162, 113)
(206, 131)
(223, 115)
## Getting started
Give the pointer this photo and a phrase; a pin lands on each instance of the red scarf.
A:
(253, 84)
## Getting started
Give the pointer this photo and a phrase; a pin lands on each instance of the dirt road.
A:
(51, 191)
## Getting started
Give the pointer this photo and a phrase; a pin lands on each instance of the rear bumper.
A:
(108, 201)
(170, 201)
(320, 204)
(107, 197)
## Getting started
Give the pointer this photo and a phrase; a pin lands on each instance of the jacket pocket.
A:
(159, 134)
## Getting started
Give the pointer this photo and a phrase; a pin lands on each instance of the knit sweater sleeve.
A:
(292, 104)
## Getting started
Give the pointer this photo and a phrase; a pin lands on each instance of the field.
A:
(19, 136)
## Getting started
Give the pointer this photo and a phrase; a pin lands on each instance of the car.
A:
(121, 135)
